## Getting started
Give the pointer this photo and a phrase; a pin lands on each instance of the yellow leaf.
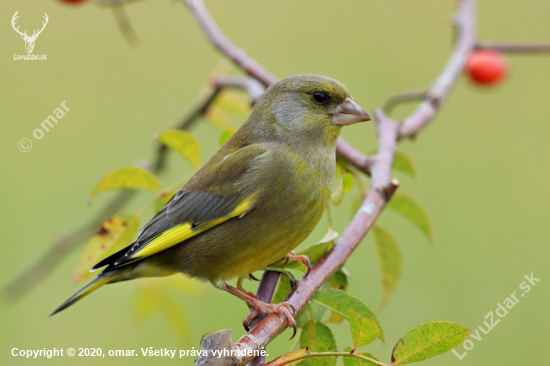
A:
(184, 144)
(113, 235)
(216, 116)
(226, 135)
(132, 177)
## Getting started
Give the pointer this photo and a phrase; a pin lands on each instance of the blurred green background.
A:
(483, 163)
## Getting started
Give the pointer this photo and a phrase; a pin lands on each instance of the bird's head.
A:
(310, 108)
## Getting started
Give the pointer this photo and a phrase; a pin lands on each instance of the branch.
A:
(514, 47)
(438, 92)
(409, 96)
(225, 46)
(254, 69)
(382, 186)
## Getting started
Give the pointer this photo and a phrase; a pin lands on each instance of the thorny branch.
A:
(382, 186)
(389, 131)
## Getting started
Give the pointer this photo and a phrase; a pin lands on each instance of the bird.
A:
(257, 198)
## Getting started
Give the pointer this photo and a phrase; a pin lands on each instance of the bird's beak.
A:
(349, 112)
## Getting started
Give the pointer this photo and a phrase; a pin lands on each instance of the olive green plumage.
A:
(255, 200)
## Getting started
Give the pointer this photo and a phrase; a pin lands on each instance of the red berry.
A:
(72, 1)
(486, 67)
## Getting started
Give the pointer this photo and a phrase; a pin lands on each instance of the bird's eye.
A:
(320, 97)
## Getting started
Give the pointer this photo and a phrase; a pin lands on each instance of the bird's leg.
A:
(300, 258)
(259, 306)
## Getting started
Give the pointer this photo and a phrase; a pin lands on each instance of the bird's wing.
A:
(219, 191)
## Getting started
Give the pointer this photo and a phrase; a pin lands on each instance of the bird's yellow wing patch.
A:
(184, 231)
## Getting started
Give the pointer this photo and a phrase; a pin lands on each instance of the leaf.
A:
(428, 340)
(346, 184)
(352, 361)
(413, 211)
(363, 330)
(184, 144)
(330, 236)
(339, 281)
(114, 234)
(217, 117)
(404, 164)
(340, 302)
(145, 303)
(285, 359)
(311, 311)
(234, 101)
(317, 337)
(282, 290)
(391, 263)
(132, 177)
(226, 134)
(176, 319)
(335, 318)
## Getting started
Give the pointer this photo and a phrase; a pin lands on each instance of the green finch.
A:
(253, 202)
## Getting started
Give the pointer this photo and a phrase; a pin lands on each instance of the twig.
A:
(325, 354)
(381, 190)
(438, 92)
(253, 68)
(216, 36)
(125, 25)
(408, 96)
(61, 247)
(266, 288)
(515, 47)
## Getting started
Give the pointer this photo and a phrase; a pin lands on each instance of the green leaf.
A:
(311, 311)
(226, 134)
(363, 330)
(391, 263)
(339, 281)
(404, 164)
(184, 144)
(352, 361)
(113, 235)
(428, 340)
(282, 290)
(413, 211)
(335, 318)
(132, 177)
(340, 302)
(330, 236)
(317, 337)
(346, 184)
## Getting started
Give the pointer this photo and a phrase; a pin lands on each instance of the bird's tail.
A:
(100, 280)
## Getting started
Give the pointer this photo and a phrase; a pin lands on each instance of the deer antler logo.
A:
(29, 41)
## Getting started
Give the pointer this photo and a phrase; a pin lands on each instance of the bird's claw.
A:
(283, 308)
(300, 258)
